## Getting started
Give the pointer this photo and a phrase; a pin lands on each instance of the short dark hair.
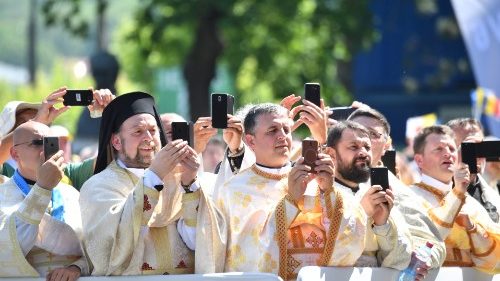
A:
(336, 131)
(263, 108)
(464, 123)
(420, 139)
(372, 113)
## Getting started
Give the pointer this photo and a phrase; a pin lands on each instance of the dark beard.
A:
(354, 173)
(138, 161)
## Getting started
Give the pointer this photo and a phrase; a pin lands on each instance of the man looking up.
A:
(470, 130)
(472, 239)
(42, 212)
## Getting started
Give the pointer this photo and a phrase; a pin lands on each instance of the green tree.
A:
(271, 47)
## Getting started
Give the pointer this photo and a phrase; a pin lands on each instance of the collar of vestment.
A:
(354, 189)
(139, 172)
(272, 173)
(443, 187)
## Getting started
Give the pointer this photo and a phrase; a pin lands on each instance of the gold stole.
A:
(334, 214)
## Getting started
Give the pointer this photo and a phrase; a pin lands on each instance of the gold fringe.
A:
(267, 175)
(334, 215)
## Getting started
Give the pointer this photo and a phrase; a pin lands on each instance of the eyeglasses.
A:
(375, 135)
(32, 142)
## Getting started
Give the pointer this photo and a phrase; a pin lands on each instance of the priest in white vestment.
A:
(276, 225)
(472, 239)
(132, 207)
(40, 224)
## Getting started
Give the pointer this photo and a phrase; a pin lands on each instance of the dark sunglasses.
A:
(32, 142)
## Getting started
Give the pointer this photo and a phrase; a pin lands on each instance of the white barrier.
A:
(232, 276)
(313, 273)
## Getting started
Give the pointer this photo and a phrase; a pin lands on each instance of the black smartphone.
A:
(379, 176)
(183, 131)
(50, 146)
(310, 153)
(389, 160)
(341, 113)
(222, 105)
(312, 93)
(468, 151)
(471, 151)
(78, 97)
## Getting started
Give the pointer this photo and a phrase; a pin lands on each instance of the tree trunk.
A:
(101, 22)
(32, 42)
(201, 62)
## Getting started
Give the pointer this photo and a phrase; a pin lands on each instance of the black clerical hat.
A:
(113, 116)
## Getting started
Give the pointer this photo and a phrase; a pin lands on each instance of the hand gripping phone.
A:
(312, 93)
(222, 105)
(389, 160)
(310, 153)
(379, 176)
(78, 97)
(50, 146)
(183, 131)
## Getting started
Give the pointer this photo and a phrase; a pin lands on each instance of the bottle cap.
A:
(429, 244)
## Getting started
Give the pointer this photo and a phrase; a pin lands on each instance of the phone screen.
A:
(313, 93)
(184, 131)
(310, 153)
(50, 146)
(78, 97)
(379, 176)
(222, 105)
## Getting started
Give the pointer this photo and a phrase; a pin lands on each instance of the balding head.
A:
(166, 121)
(27, 146)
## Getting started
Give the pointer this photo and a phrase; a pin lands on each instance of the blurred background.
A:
(405, 58)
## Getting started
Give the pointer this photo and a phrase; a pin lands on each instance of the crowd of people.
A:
(244, 202)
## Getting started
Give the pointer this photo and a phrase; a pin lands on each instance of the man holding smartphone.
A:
(46, 112)
(470, 130)
(419, 224)
(253, 204)
(472, 238)
(43, 213)
(388, 239)
(131, 206)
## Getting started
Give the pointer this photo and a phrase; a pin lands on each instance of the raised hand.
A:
(47, 113)
(325, 171)
(203, 131)
(102, 98)
(378, 204)
(51, 171)
(314, 117)
(461, 176)
(298, 179)
(190, 165)
(168, 157)
(233, 133)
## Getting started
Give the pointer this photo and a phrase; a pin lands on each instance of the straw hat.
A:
(8, 115)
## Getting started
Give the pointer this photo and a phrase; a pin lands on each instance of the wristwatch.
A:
(188, 186)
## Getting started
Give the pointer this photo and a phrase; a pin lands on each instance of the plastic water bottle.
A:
(421, 256)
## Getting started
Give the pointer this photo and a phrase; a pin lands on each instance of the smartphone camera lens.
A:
(219, 98)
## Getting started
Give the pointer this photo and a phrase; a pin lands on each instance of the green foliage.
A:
(271, 47)
(61, 75)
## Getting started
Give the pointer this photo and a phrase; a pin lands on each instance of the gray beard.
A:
(138, 161)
